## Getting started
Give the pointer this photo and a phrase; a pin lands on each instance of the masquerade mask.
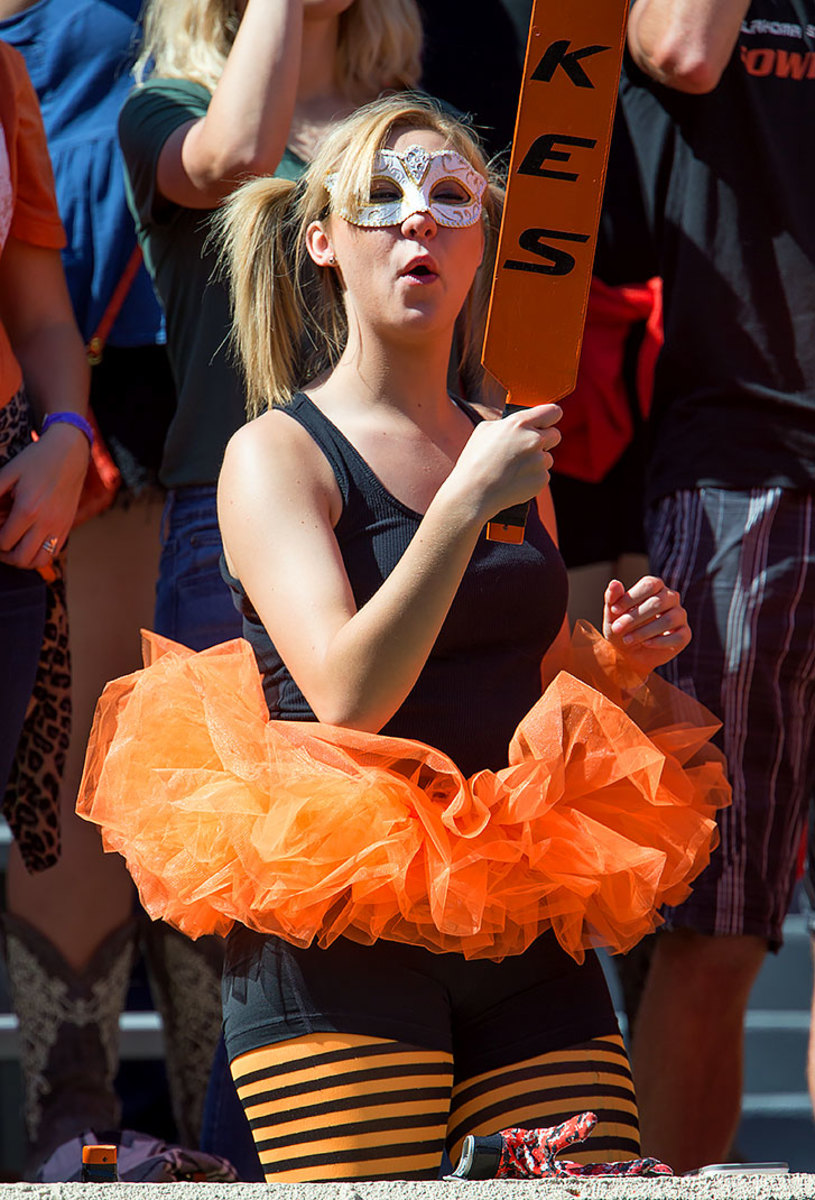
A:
(416, 180)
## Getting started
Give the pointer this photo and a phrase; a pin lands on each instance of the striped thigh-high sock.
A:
(340, 1106)
(546, 1090)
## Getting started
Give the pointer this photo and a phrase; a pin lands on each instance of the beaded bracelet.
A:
(70, 418)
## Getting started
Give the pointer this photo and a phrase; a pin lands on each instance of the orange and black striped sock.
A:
(546, 1090)
(339, 1107)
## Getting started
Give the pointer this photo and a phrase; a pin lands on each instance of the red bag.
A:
(103, 479)
(597, 422)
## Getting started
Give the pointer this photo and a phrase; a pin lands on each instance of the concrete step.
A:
(775, 1051)
(141, 1035)
(780, 1134)
(715, 1187)
(785, 979)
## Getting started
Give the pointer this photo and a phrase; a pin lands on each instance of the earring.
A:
(332, 262)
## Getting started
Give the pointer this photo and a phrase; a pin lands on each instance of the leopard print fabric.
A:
(31, 801)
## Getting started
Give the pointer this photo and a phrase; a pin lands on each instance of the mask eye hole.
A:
(384, 190)
(451, 191)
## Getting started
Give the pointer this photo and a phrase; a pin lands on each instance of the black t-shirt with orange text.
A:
(729, 179)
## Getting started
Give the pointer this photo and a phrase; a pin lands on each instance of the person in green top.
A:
(230, 89)
(227, 89)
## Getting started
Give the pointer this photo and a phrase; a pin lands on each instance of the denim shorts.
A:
(193, 604)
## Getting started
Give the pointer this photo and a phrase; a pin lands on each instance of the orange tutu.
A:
(310, 831)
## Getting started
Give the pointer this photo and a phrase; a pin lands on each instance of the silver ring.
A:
(50, 545)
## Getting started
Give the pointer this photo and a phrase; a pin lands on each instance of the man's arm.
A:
(685, 44)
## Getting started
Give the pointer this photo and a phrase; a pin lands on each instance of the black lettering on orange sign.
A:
(560, 261)
(559, 55)
(543, 150)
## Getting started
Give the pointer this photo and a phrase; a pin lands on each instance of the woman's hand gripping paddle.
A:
(552, 209)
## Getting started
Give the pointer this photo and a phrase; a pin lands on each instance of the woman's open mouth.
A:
(420, 270)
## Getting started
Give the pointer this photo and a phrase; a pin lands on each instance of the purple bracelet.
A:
(69, 418)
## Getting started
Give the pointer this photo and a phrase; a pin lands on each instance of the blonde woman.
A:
(392, 982)
(231, 89)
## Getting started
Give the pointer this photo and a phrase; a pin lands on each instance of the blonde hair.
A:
(380, 43)
(288, 317)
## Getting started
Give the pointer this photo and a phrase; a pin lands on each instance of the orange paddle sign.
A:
(552, 210)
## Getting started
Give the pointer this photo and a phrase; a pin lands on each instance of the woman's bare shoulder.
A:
(274, 437)
(275, 453)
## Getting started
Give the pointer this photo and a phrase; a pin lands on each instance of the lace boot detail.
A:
(185, 981)
(69, 1033)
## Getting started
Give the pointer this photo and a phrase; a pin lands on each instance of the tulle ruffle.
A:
(310, 831)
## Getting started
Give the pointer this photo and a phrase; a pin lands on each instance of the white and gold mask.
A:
(416, 180)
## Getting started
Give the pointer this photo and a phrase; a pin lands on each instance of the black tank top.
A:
(483, 673)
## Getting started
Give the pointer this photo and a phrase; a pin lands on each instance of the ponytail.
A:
(288, 318)
(253, 228)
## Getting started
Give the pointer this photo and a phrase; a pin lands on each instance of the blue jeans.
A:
(224, 1127)
(193, 604)
(22, 622)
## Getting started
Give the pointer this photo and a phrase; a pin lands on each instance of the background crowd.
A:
(688, 449)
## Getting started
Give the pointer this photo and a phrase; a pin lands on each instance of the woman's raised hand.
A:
(647, 622)
(508, 462)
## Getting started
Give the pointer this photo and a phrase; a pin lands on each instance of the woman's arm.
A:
(278, 503)
(685, 44)
(44, 480)
(247, 123)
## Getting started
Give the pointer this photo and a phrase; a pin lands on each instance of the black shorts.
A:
(486, 1014)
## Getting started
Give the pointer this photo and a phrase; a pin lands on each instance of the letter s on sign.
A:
(560, 261)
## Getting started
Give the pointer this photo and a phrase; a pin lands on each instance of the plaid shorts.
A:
(744, 563)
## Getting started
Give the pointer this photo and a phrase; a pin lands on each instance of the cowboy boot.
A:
(185, 983)
(69, 1033)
